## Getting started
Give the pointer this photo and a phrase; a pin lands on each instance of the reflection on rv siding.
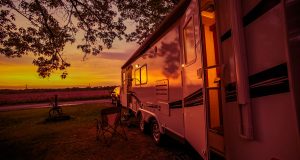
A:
(221, 76)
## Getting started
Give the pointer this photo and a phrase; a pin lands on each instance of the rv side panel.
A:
(273, 113)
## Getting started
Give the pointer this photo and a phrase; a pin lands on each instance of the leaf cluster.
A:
(52, 24)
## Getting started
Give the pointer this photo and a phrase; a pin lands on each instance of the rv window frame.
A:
(135, 78)
(145, 65)
(123, 78)
(140, 78)
(190, 19)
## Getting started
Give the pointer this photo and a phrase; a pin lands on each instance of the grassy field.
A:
(26, 135)
(11, 97)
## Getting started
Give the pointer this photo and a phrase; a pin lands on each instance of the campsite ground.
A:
(25, 134)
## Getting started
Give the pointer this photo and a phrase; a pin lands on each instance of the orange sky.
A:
(99, 70)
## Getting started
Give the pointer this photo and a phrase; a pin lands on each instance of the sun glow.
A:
(101, 70)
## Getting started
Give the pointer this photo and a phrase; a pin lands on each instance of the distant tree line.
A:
(11, 91)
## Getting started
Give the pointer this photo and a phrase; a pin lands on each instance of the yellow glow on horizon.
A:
(100, 70)
(80, 75)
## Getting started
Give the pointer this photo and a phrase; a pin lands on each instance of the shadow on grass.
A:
(180, 151)
(27, 134)
(58, 119)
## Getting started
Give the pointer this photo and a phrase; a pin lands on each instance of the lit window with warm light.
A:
(137, 76)
(144, 74)
(141, 75)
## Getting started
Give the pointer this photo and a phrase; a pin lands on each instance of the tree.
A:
(55, 23)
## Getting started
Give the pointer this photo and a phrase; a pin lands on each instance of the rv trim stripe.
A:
(194, 99)
(260, 9)
(176, 104)
(230, 92)
(226, 35)
(268, 82)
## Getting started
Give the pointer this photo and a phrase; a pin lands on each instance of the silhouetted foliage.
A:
(13, 91)
(55, 23)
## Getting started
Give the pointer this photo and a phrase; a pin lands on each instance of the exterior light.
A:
(137, 66)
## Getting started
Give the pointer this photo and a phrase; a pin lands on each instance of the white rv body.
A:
(222, 76)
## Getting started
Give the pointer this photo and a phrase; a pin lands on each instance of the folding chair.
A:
(108, 124)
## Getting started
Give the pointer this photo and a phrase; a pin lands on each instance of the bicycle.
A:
(56, 110)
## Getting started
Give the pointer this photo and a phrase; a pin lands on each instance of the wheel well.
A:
(139, 113)
(151, 119)
(148, 119)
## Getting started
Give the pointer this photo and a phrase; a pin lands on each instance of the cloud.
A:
(114, 55)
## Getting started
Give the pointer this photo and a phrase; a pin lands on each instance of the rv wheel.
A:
(141, 123)
(156, 135)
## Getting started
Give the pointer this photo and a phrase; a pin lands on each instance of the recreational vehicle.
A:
(223, 76)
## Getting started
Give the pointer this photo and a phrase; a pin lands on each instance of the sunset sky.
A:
(99, 70)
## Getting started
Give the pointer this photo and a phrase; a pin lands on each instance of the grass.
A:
(25, 134)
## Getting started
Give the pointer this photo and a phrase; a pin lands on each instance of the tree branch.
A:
(45, 19)
(12, 6)
(79, 15)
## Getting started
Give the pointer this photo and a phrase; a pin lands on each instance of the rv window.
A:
(189, 41)
(137, 74)
(141, 75)
(144, 74)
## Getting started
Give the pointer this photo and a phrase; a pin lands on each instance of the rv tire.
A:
(142, 123)
(155, 132)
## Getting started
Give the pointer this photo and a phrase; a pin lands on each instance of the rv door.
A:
(212, 69)
(192, 82)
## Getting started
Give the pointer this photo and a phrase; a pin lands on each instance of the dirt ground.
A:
(26, 135)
